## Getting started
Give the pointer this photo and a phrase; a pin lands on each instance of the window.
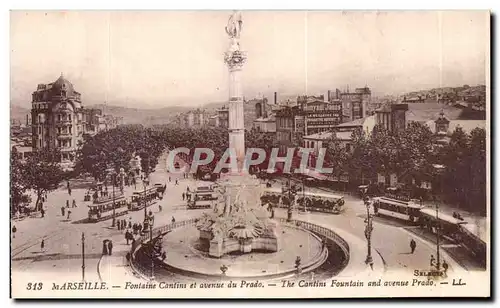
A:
(59, 118)
(348, 147)
(69, 117)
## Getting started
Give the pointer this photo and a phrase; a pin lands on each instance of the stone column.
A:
(236, 114)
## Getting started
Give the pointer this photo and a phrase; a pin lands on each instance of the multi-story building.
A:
(286, 128)
(265, 125)
(354, 104)
(223, 117)
(57, 119)
(392, 117)
(321, 116)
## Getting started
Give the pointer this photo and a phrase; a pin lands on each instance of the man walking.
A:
(42, 211)
(74, 203)
(413, 245)
(63, 211)
(67, 204)
(110, 248)
(183, 196)
(42, 245)
(69, 214)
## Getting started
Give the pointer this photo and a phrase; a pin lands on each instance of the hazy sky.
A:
(156, 59)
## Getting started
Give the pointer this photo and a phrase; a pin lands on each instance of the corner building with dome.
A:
(59, 120)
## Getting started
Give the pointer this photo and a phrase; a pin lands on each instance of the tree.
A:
(477, 167)
(382, 150)
(336, 156)
(43, 173)
(18, 183)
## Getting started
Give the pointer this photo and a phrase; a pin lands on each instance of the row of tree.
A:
(456, 167)
(40, 173)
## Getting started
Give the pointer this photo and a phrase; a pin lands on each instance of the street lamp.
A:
(439, 170)
(113, 179)
(368, 229)
(145, 184)
(152, 249)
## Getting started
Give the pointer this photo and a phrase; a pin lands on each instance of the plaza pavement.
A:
(62, 253)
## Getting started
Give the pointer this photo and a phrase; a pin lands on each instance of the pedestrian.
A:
(176, 182)
(139, 227)
(119, 225)
(413, 245)
(69, 191)
(42, 245)
(110, 247)
(173, 219)
(127, 256)
(130, 224)
(445, 266)
(105, 247)
(124, 224)
(160, 208)
(67, 204)
(187, 189)
(63, 211)
(42, 211)
(272, 213)
(14, 230)
(127, 237)
(433, 260)
(183, 196)
(69, 214)
(169, 179)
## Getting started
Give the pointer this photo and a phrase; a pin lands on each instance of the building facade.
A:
(321, 116)
(354, 104)
(392, 117)
(223, 117)
(57, 119)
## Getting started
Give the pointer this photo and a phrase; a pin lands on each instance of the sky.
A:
(155, 59)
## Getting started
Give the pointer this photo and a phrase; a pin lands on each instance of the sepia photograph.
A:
(250, 154)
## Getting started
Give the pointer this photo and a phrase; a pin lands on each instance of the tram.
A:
(142, 198)
(103, 211)
(307, 201)
(450, 228)
(203, 198)
(408, 210)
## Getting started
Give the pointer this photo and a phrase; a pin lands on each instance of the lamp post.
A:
(368, 229)
(113, 180)
(83, 256)
(152, 249)
(439, 170)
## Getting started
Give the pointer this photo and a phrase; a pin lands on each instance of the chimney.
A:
(275, 98)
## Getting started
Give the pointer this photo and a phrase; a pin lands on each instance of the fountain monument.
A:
(238, 221)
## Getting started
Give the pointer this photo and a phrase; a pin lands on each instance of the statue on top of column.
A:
(234, 24)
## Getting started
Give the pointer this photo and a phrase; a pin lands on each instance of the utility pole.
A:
(83, 256)
(438, 265)
(152, 250)
(113, 180)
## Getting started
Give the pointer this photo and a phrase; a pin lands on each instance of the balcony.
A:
(64, 135)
